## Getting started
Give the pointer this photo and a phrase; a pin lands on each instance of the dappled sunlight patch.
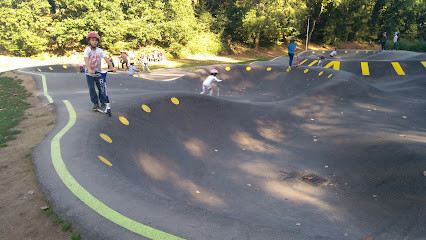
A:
(259, 169)
(246, 141)
(153, 167)
(199, 194)
(301, 192)
(195, 147)
(373, 107)
(270, 130)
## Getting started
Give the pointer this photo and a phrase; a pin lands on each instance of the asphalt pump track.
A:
(303, 153)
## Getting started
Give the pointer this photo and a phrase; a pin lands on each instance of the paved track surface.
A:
(307, 153)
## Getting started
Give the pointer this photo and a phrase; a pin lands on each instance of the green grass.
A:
(12, 107)
(65, 226)
(75, 236)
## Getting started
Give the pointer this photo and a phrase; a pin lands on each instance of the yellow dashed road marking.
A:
(288, 69)
(50, 68)
(364, 68)
(346, 51)
(398, 68)
(268, 69)
(357, 52)
(123, 120)
(303, 61)
(65, 66)
(105, 137)
(39, 69)
(312, 63)
(248, 68)
(313, 52)
(146, 108)
(306, 70)
(424, 63)
(329, 76)
(175, 100)
(105, 161)
(227, 68)
(335, 64)
(319, 74)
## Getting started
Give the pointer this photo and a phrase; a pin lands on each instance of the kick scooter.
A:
(103, 84)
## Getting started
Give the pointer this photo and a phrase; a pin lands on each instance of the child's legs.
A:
(91, 84)
(101, 90)
(383, 45)
(203, 89)
(147, 68)
(291, 55)
(394, 46)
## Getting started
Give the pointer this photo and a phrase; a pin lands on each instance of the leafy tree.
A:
(23, 26)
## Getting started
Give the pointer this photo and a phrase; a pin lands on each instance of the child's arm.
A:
(109, 63)
(86, 61)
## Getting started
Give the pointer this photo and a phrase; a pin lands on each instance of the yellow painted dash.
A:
(146, 108)
(319, 74)
(312, 63)
(123, 120)
(398, 68)
(306, 70)
(303, 61)
(105, 137)
(104, 160)
(424, 63)
(329, 76)
(175, 100)
(227, 68)
(365, 69)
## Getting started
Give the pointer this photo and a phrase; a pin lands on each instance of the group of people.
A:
(384, 39)
(292, 48)
(93, 56)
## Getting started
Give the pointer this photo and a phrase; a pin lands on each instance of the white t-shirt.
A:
(95, 60)
(145, 60)
(210, 79)
(333, 53)
(132, 70)
(395, 39)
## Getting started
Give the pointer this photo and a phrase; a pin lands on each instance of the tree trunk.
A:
(256, 41)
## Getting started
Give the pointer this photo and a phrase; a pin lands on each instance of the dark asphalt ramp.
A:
(279, 155)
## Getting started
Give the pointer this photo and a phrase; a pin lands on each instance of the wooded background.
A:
(183, 27)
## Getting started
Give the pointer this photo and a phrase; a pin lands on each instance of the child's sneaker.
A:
(95, 107)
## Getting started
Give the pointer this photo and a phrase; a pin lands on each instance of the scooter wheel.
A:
(109, 113)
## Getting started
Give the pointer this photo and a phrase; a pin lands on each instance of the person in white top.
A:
(145, 63)
(395, 39)
(132, 69)
(208, 82)
(93, 59)
(333, 53)
(321, 62)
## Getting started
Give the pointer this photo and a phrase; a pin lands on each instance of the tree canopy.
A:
(184, 27)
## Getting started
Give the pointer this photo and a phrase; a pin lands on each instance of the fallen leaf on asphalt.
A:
(326, 166)
(424, 173)
(294, 201)
(368, 238)
(44, 207)
(257, 189)
(297, 224)
(310, 178)
(404, 117)
(374, 196)
(346, 234)
(31, 192)
(315, 140)
(197, 191)
(248, 184)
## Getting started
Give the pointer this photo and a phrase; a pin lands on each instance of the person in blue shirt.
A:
(292, 50)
